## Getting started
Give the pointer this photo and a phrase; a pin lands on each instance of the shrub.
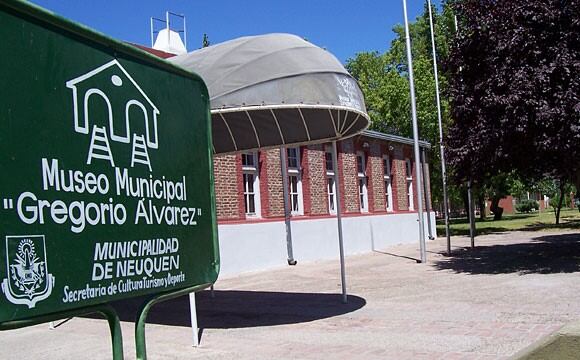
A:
(527, 206)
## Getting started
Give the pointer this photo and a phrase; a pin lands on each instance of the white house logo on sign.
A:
(99, 147)
(160, 198)
(28, 279)
(120, 123)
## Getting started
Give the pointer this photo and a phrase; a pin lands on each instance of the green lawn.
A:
(569, 219)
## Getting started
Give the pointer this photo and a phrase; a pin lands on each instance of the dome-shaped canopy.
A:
(276, 90)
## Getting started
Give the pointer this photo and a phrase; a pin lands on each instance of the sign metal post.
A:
(193, 316)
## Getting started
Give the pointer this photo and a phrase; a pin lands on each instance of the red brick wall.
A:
(362, 147)
(314, 181)
(227, 187)
(348, 177)
(542, 202)
(408, 154)
(427, 180)
(399, 182)
(274, 183)
(426, 193)
(507, 203)
(305, 176)
(376, 181)
(263, 176)
(386, 150)
(239, 182)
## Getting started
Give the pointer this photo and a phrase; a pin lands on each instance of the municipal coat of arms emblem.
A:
(28, 280)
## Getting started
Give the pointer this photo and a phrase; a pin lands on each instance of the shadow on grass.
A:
(478, 231)
(465, 220)
(567, 223)
(241, 309)
(544, 255)
(485, 227)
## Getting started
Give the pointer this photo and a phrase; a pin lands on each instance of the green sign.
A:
(105, 154)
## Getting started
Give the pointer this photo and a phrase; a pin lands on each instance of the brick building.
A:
(377, 179)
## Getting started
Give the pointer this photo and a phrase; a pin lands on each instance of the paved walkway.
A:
(485, 303)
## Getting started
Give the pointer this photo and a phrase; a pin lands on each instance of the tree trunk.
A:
(481, 203)
(497, 211)
(560, 201)
(465, 201)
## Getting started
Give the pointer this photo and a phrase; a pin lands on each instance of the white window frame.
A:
(409, 179)
(330, 189)
(362, 183)
(296, 197)
(255, 171)
(388, 182)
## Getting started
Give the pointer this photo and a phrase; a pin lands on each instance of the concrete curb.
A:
(562, 344)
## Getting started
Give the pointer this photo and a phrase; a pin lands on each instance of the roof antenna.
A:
(168, 39)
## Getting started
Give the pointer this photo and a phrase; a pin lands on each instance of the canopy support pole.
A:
(284, 168)
(418, 185)
(339, 220)
(427, 200)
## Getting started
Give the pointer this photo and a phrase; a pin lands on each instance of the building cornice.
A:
(394, 138)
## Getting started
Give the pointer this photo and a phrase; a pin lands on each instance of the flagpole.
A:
(469, 184)
(418, 184)
(441, 146)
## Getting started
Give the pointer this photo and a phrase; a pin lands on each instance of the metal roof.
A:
(394, 138)
(276, 90)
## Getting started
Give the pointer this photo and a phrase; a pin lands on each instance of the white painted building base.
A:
(260, 246)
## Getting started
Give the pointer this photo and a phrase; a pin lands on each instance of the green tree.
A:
(498, 187)
(558, 191)
(384, 81)
(514, 80)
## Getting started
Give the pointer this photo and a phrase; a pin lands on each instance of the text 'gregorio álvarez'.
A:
(155, 197)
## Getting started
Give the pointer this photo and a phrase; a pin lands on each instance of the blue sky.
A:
(342, 27)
